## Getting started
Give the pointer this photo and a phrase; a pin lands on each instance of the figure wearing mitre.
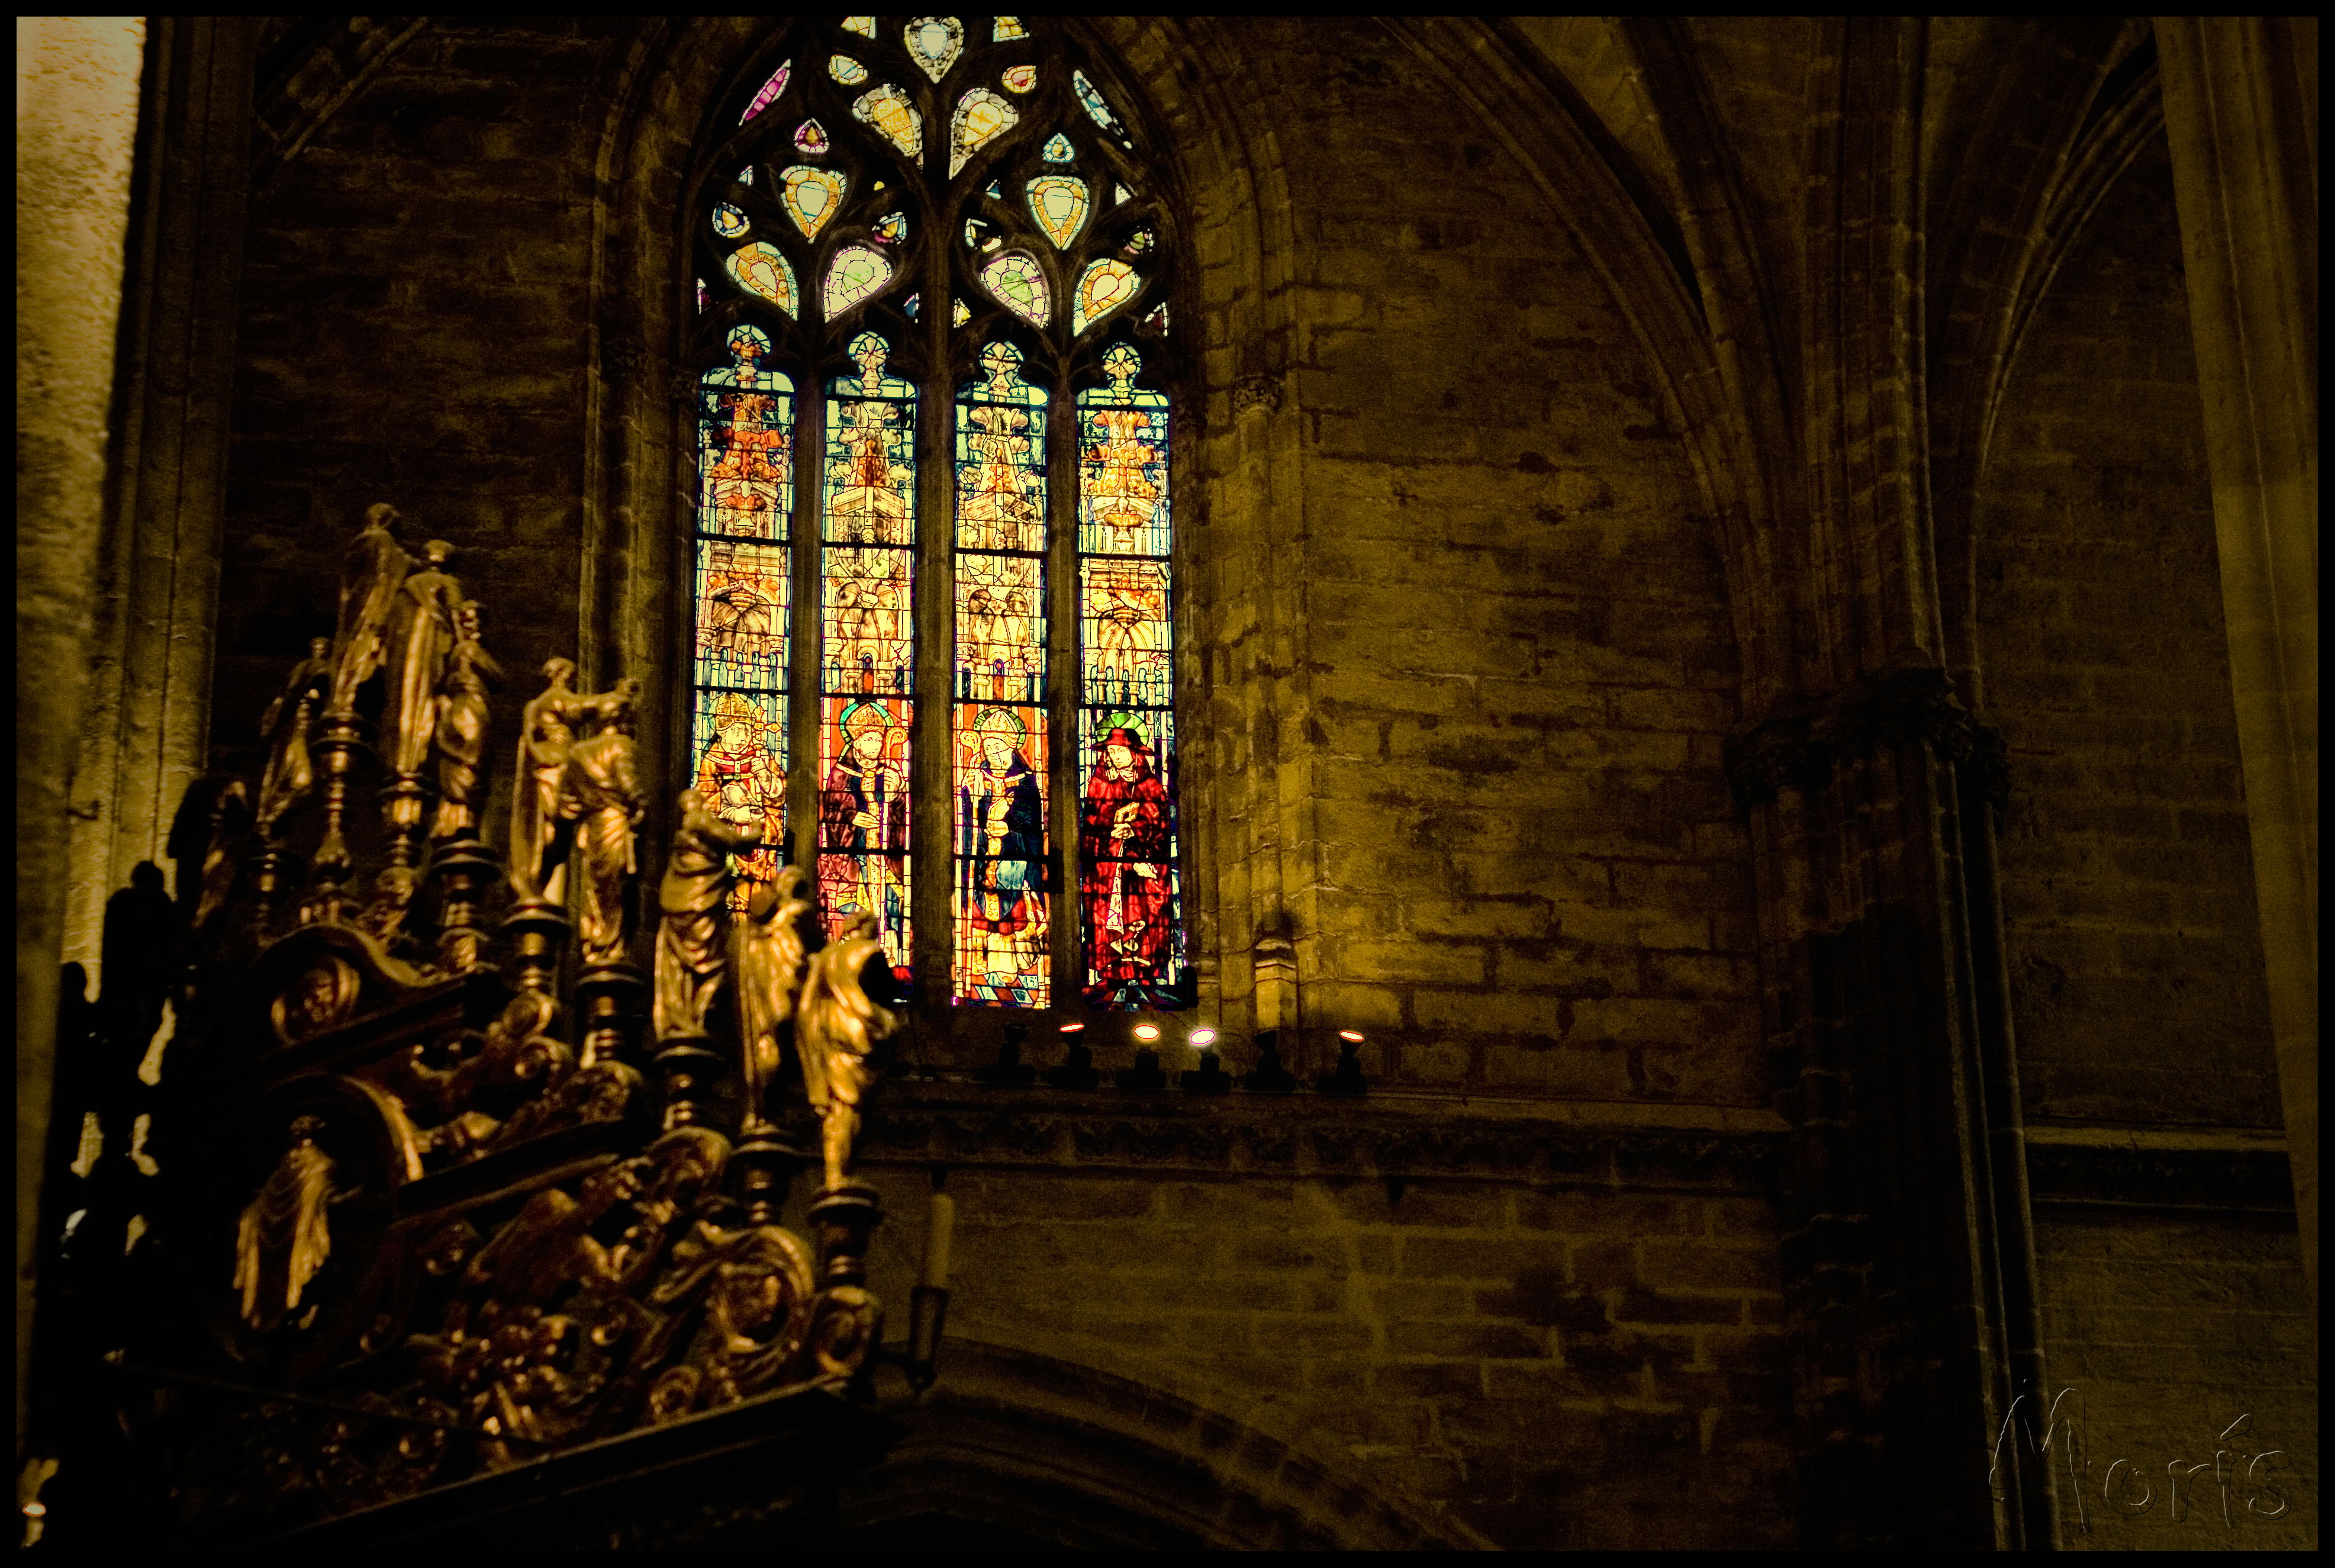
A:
(291, 772)
(461, 736)
(539, 836)
(371, 573)
(769, 946)
(600, 795)
(420, 637)
(838, 1026)
(691, 902)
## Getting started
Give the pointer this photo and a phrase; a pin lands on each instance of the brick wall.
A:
(1552, 1368)
(414, 330)
(1524, 870)
(2170, 1326)
(2135, 962)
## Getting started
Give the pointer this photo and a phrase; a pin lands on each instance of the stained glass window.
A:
(1003, 935)
(745, 504)
(997, 795)
(867, 667)
(1132, 952)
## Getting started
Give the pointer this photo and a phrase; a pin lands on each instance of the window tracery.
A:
(973, 612)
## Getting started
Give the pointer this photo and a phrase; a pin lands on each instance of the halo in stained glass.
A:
(1019, 284)
(1097, 107)
(769, 93)
(730, 222)
(810, 197)
(887, 109)
(1103, 287)
(857, 274)
(811, 137)
(761, 268)
(1007, 27)
(1020, 78)
(981, 118)
(958, 314)
(1059, 149)
(846, 70)
(863, 26)
(934, 42)
(1060, 202)
(891, 228)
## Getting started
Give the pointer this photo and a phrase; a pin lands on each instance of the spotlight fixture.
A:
(1071, 1028)
(1201, 1036)
(1147, 1033)
(1354, 1034)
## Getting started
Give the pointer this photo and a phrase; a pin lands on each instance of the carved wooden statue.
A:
(769, 946)
(837, 1027)
(284, 1238)
(371, 573)
(539, 845)
(692, 901)
(600, 795)
(461, 737)
(421, 635)
(291, 771)
(230, 814)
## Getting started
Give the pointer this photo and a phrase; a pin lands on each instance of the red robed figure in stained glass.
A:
(1126, 885)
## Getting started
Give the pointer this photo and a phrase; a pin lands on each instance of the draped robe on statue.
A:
(1128, 915)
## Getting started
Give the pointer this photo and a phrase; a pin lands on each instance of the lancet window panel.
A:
(946, 225)
(742, 593)
(868, 664)
(1000, 909)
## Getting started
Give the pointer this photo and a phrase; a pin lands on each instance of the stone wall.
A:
(2127, 889)
(1461, 659)
(2136, 964)
(413, 330)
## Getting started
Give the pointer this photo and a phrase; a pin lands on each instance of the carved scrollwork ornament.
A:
(459, 1234)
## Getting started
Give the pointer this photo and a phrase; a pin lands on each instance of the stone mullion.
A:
(1062, 687)
(805, 559)
(932, 821)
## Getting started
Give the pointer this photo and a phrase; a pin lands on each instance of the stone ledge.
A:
(1695, 1148)
(2229, 1169)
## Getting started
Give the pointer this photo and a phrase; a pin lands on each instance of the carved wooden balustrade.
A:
(430, 1214)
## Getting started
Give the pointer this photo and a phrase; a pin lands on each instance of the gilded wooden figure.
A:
(600, 797)
(769, 946)
(291, 772)
(420, 637)
(538, 846)
(693, 900)
(461, 741)
(284, 1236)
(371, 573)
(837, 1027)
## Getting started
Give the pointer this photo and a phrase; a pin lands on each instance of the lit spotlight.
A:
(1146, 1031)
(1070, 1028)
(1201, 1036)
(1354, 1034)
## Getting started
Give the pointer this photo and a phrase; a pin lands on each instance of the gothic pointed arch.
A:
(931, 624)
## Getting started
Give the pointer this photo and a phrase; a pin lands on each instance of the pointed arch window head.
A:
(992, 781)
